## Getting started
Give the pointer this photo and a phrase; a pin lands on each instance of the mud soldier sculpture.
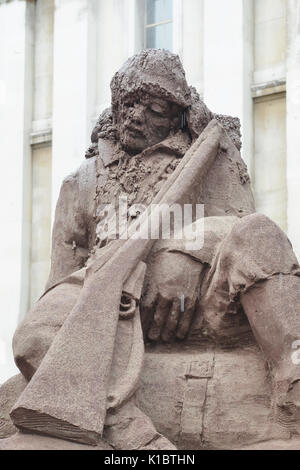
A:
(219, 322)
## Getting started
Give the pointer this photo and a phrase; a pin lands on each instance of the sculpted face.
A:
(146, 121)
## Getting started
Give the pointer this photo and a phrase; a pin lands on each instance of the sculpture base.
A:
(197, 398)
(22, 441)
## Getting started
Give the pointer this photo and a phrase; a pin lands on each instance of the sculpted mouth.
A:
(134, 131)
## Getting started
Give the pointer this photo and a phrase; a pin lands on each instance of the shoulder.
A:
(87, 172)
(78, 188)
(84, 175)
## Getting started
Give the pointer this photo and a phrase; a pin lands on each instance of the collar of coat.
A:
(176, 144)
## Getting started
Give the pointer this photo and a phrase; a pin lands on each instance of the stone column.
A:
(228, 63)
(74, 87)
(188, 41)
(16, 46)
(120, 25)
(293, 123)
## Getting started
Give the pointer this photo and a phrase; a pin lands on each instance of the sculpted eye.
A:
(156, 108)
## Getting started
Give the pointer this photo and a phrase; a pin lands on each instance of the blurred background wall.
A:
(56, 61)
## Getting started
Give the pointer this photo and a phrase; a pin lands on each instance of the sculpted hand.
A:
(171, 295)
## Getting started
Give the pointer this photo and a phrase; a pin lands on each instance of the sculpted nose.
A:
(137, 114)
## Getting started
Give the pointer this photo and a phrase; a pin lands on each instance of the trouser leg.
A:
(36, 333)
(255, 250)
(265, 273)
(273, 310)
(257, 266)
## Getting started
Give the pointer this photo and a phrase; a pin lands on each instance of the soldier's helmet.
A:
(157, 72)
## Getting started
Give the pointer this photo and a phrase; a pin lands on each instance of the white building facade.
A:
(57, 58)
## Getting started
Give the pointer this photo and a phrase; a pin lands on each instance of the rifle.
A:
(69, 394)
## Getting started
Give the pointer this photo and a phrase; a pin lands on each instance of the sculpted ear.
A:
(197, 115)
(105, 128)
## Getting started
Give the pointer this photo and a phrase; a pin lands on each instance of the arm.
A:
(69, 236)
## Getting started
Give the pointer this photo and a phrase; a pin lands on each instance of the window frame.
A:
(159, 23)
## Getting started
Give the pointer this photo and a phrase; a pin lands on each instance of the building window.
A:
(159, 24)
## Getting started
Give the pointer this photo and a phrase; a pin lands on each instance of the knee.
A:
(254, 223)
(256, 238)
(35, 335)
(259, 229)
(30, 344)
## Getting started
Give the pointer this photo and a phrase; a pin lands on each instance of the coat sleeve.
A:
(69, 236)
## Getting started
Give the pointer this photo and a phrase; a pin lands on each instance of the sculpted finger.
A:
(186, 319)
(172, 321)
(147, 307)
(159, 318)
(146, 318)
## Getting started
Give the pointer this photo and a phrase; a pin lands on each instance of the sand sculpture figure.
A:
(219, 322)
